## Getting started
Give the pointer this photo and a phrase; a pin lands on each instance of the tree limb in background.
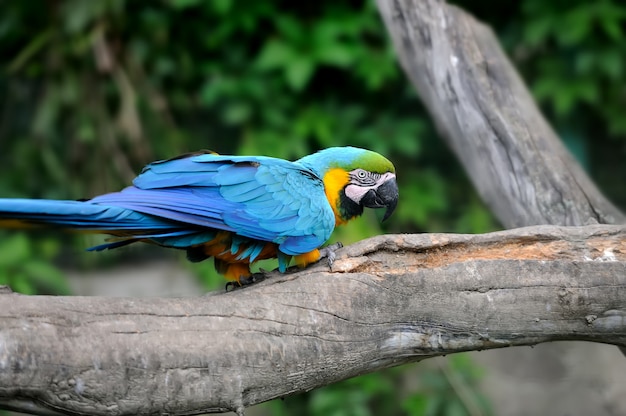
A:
(390, 300)
(485, 113)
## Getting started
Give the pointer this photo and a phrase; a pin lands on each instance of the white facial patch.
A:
(356, 192)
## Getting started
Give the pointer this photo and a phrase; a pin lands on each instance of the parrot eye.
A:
(362, 177)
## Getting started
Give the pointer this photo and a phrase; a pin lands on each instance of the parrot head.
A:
(355, 179)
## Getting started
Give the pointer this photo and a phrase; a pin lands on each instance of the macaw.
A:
(236, 209)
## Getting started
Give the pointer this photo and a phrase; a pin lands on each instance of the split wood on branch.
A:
(485, 113)
(388, 300)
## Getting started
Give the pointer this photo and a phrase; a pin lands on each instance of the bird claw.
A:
(329, 252)
(245, 281)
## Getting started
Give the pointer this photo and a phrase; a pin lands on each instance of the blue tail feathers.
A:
(79, 215)
(130, 225)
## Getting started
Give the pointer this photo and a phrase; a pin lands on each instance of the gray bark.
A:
(485, 113)
(487, 116)
(388, 300)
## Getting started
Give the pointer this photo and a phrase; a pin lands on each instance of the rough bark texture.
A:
(486, 115)
(389, 300)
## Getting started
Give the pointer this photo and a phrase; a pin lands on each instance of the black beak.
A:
(386, 195)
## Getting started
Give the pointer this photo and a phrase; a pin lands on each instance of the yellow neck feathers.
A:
(334, 181)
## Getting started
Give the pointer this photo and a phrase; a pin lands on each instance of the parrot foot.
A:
(329, 252)
(244, 281)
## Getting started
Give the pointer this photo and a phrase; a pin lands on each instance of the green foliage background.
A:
(93, 90)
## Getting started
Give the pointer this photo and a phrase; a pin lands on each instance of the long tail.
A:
(75, 214)
(128, 224)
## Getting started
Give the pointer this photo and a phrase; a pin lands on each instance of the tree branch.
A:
(389, 300)
(485, 113)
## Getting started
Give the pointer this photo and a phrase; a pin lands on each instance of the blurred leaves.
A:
(25, 265)
(574, 52)
(449, 389)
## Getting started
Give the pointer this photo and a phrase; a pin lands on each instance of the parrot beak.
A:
(386, 195)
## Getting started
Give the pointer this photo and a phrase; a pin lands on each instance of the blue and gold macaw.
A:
(236, 209)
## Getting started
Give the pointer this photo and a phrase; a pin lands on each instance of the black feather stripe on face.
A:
(348, 209)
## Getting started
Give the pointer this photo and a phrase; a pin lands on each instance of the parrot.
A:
(234, 209)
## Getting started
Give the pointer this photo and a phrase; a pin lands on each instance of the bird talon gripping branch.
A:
(236, 209)
(330, 252)
(244, 281)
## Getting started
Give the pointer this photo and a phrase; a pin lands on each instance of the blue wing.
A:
(261, 198)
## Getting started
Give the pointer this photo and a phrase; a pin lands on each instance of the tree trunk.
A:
(485, 113)
(389, 300)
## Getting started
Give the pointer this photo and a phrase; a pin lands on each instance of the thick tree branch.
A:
(389, 300)
(486, 115)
